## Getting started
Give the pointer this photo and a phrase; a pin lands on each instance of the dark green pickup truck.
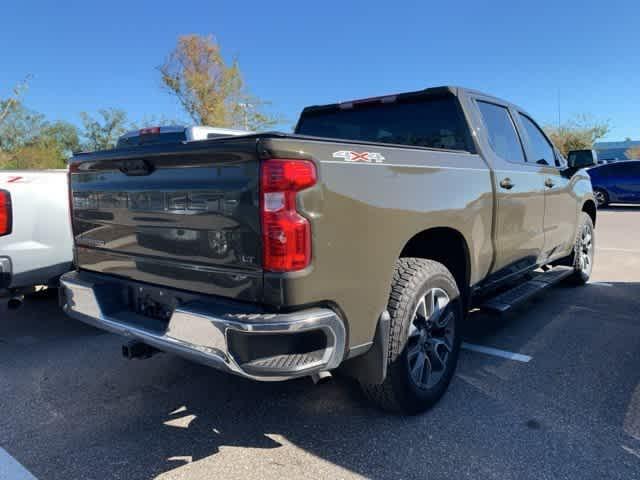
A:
(358, 243)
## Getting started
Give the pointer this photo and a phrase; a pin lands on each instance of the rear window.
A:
(426, 122)
(153, 139)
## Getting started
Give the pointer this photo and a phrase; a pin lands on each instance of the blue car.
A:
(617, 182)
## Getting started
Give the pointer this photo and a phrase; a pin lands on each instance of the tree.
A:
(9, 105)
(633, 153)
(48, 147)
(102, 133)
(578, 134)
(20, 127)
(28, 140)
(211, 91)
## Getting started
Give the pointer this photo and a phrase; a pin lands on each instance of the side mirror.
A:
(582, 159)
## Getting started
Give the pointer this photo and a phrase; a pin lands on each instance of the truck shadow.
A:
(138, 420)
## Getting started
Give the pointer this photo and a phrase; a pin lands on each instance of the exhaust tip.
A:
(321, 377)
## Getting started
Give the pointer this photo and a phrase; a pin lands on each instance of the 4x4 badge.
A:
(349, 156)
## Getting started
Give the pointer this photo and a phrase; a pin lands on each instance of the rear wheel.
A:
(601, 197)
(583, 251)
(426, 314)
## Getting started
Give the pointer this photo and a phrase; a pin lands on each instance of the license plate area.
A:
(151, 303)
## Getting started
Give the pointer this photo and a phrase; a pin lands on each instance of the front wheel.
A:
(583, 251)
(601, 197)
(426, 314)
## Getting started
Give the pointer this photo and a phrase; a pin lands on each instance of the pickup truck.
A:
(36, 245)
(356, 244)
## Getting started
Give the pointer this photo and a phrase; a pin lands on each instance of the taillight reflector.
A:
(6, 220)
(286, 235)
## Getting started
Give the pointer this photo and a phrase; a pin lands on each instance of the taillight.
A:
(149, 131)
(286, 235)
(6, 220)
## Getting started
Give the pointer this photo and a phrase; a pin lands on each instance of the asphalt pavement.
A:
(567, 406)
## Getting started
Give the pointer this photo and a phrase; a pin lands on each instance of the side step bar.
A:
(505, 301)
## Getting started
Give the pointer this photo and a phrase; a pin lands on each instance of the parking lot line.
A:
(612, 249)
(518, 357)
(11, 469)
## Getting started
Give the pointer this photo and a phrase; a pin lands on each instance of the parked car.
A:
(359, 242)
(36, 245)
(617, 182)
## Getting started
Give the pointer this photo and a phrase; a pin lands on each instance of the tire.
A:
(583, 247)
(601, 196)
(419, 337)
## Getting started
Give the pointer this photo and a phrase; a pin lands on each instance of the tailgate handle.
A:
(136, 167)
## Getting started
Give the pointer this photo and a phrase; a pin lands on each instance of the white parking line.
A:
(518, 357)
(10, 468)
(613, 249)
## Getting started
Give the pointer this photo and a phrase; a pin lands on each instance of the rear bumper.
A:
(5, 276)
(13, 277)
(229, 337)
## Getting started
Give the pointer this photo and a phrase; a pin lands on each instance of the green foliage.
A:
(33, 157)
(9, 105)
(102, 133)
(20, 127)
(154, 121)
(211, 91)
(28, 140)
(578, 134)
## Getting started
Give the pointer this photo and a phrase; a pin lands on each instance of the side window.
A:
(604, 171)
(501, 131)
(632, 170)
(540, 148)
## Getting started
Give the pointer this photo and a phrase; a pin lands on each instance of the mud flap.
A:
(371, 367)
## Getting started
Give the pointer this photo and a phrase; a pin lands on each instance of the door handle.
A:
(549, 183)
(506, 183)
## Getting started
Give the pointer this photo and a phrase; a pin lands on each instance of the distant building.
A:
(614, 151)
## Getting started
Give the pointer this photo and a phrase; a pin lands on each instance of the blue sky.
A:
(89, 55)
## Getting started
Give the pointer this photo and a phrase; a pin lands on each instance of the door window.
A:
(630, 170)
(540, 150)
(501, 131)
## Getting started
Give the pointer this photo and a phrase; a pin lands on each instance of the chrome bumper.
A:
(199, 331)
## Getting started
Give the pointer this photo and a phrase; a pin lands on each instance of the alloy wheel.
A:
(431, 336)
(600, 197)
(585, 250)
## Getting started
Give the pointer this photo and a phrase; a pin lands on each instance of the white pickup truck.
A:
(35, 232)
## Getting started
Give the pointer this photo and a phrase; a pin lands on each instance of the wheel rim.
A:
(585, 252)
(600, 198)
(430, 341)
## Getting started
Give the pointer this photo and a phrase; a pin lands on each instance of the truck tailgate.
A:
(184, 216)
